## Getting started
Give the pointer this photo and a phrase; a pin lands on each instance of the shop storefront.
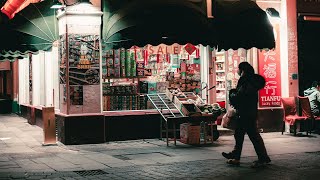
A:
(98, 80)
(134, 63)
(308, 26)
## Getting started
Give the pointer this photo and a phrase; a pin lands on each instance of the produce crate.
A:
(190, 109)
(169, 94)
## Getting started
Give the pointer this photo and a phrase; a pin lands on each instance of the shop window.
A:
(129, 74)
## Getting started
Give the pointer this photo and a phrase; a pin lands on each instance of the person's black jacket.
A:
(245, 98)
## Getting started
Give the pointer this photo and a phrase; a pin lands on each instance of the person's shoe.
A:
(267, 160)
(260, 163)
(229, 155)
(233, 162)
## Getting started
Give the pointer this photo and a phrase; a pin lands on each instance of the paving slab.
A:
(22, 156)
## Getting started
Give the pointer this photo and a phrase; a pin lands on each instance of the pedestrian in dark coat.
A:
(245, 101)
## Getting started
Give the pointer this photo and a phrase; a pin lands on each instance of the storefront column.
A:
(79, 56)
(15, 73)
(204, 61)
(36, 79)
(24, 81)
(292, 47)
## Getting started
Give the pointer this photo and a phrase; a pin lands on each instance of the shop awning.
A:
(237, 24)
(141, 22)
(242, 24)
(32, 29)
(13, 55)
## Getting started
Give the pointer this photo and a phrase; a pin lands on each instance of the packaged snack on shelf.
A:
(128, 62)
(123, 62)
(133, 67)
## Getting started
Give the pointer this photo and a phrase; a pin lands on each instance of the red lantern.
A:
(11, 7)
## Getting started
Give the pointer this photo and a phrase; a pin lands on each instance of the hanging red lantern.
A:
(11, 7)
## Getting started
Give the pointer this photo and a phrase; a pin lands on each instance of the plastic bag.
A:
(229, 119)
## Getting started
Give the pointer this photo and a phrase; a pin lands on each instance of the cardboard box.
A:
(189, 134)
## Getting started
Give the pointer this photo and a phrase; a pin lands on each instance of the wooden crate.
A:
(190, 109)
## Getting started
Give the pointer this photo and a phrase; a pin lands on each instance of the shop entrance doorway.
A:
(308, 52)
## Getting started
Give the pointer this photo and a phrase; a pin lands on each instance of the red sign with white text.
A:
(269, 68)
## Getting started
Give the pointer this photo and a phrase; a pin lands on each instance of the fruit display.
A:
(211, 108)
(178, 93)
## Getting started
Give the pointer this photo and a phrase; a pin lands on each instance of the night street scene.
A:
(159, 89)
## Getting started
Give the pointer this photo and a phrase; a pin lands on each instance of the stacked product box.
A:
(134, 102)
(143, 87)
(142, 104)
(104, 63)
(140, 62)
(120, 102)
(128, 62)
(123, 62)
(133, 65)
(140, 68)
(127, 103)
(109, 61)
(116, 63)
(120, 97)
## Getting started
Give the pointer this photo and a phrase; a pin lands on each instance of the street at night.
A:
(24, 157)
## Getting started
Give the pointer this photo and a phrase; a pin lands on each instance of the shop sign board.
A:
(308, 6)
(269, 68)
(164, 49)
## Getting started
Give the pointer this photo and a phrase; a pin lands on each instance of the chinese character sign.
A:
(269, 68)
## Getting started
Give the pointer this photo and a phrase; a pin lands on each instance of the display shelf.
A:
(150, 73)
(220, 67)
(92, 67)
(220, 71)
(220, 61)
(125, 77)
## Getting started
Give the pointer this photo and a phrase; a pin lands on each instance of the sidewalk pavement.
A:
(22, 156)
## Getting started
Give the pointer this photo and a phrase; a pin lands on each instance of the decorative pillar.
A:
(79, 56)
(292, 47)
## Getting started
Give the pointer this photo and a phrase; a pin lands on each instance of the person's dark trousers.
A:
(256, 140)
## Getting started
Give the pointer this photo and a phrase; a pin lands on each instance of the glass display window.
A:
(129, 74)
